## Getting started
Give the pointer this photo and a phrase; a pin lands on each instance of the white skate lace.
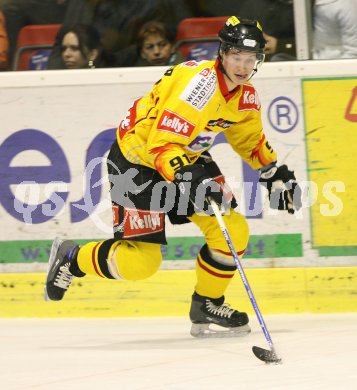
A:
(64, 277)
(224, 310)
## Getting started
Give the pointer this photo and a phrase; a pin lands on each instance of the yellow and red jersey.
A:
(180, 117)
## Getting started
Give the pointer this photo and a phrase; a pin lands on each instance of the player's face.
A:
(238, 66)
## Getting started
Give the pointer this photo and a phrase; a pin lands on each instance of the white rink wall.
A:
(55, 123)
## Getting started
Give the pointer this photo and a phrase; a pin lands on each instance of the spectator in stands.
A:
(4, 43)
(277, 20)
(80, 47)
(20, 13)
(117, 22)
(275, 16)
(335, 29)
(77, 12)
(279, 49)
(156, 45)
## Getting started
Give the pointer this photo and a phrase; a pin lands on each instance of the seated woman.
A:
(80, 47)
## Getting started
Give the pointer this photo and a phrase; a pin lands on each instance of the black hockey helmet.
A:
(244, 34)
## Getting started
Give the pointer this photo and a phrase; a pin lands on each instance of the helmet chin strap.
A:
(222, 68)
(254, 71)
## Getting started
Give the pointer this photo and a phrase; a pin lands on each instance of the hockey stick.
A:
(268, 356)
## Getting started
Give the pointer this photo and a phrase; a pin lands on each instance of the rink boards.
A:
(56, 130)
(168, 293)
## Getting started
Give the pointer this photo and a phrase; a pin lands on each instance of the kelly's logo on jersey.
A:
(249, 99)
(142, 222)
(174, 123)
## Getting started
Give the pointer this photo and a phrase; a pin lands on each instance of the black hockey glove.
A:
(283, 190)
(195, 184)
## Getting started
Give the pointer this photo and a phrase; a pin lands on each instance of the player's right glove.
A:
(283, 190)
(195, 183)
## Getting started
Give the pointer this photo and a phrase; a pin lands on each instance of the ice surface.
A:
(318, 351)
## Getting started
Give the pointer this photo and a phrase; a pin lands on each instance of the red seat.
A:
(194, 34)
(34, 41)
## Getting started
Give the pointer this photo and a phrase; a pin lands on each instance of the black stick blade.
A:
(266, 355)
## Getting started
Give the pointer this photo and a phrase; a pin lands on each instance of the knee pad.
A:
(132, 260)
(113, 259)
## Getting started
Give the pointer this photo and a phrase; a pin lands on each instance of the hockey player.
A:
(162, 146)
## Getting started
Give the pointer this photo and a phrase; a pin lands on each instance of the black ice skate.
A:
(206, 312)
(59, 278)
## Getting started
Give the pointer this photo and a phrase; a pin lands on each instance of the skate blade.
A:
(56, 243)
(205, 331)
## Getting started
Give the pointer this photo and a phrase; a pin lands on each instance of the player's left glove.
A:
(283, 190)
